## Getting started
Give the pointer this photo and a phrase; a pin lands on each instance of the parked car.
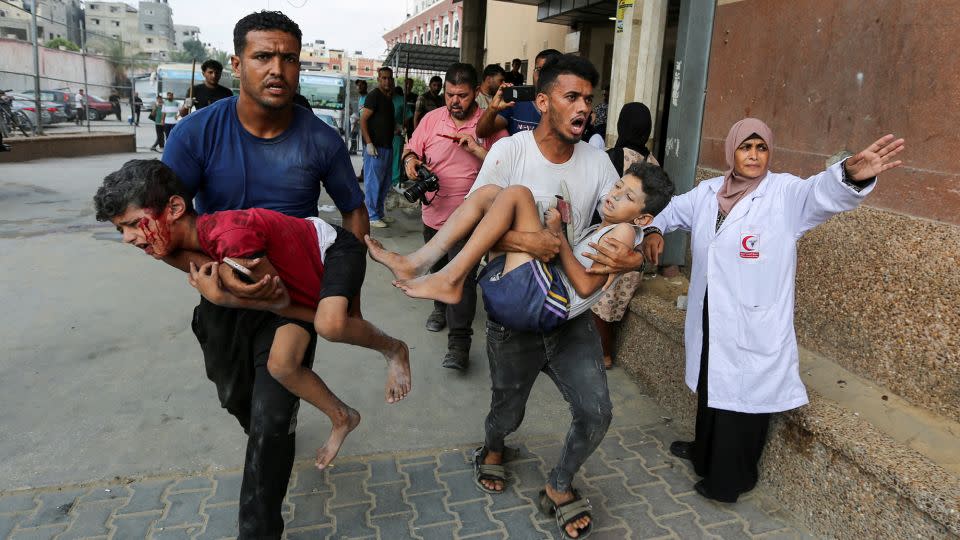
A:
(28, 105)
(99, 108)
(63, 97)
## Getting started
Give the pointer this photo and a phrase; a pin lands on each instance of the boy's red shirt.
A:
(289, 243)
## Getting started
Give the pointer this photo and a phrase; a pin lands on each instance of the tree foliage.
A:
(56, 43)
(192, 50)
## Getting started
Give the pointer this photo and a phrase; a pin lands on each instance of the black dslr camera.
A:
(426, 182)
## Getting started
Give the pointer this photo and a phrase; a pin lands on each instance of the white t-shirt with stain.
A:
(588, 175)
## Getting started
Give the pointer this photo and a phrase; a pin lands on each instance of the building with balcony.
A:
(432, 22)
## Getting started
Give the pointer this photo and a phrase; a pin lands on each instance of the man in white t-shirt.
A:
(551, 160)
(169, 111)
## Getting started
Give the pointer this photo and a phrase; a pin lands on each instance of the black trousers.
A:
(161, 135)
(571, 355)
(236, 344)
(728, 444)
(459, 316)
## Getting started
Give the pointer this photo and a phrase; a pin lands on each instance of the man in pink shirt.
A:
(445, 142)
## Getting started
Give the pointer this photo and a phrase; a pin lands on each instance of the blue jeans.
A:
(572, 357)
(377, 172)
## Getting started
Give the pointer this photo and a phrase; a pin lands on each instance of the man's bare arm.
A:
(490, 121)
(357, 221)
(543, 245)
(365, 115)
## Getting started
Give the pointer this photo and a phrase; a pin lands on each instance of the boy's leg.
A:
(514, 209)
(333, 324)
(345, 264)
(457, 227)
(289, 346)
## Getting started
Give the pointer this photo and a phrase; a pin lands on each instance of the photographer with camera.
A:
(443, 158)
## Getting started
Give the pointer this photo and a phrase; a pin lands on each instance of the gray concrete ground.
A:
(112, 430)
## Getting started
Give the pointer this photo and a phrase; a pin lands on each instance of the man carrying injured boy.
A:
(548, 161)
(321, 265)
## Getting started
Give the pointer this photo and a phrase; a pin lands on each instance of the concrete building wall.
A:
(878, 288)
(58, 69)
(185, 32)
(512, 32)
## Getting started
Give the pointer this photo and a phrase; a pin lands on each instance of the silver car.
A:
(27, 104)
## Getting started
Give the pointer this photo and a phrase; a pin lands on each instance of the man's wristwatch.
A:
(408, 157)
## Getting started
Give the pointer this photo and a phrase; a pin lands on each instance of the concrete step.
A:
(857, 462)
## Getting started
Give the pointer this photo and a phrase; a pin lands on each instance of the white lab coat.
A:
(750, 266)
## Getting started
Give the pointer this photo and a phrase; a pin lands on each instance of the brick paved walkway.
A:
(637, 490)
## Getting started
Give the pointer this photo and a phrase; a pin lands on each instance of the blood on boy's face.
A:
(144, 230)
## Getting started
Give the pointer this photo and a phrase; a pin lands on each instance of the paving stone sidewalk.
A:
(637, 490)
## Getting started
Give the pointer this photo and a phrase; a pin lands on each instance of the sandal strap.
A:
(490, 471)
(573, 510)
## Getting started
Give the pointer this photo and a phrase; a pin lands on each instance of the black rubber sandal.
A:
(567, 513)
(488, 472)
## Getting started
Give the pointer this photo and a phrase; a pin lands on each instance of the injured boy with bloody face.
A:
(320, 265)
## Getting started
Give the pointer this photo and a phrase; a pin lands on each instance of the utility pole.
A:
(83, 57)
(686, 109)
(38, 124)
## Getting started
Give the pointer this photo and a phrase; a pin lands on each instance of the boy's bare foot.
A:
(432, 287)
(398, 373)
(400, 265)
(339, 432)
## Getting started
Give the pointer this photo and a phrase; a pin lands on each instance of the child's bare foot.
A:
(398, 373)
(400, 265)
(433, 287)
(339, 432)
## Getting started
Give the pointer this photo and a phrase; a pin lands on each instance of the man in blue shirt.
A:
(260, 151)
(516, 116)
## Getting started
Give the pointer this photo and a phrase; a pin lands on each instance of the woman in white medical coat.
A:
(741, 349)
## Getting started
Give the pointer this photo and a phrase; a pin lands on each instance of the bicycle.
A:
(10, 119)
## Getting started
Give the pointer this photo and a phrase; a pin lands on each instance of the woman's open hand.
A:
(875, 159)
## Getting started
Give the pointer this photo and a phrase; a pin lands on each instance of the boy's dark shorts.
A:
(344, 266)
(529, 298)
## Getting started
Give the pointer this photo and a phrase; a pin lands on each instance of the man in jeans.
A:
(543, 160)
(378, 125)
(256, 133)
(456, 164)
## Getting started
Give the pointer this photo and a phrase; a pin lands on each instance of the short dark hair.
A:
(657, 187)
(385, 68)
(515, 61)
(492, 70)
(260, 21)
(566, 64)
(211, 64)
(436, 78)
(547, 54)
(461, 73)
(145, 183)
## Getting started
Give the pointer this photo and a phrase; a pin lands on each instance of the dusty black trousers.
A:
(236, 345)
(728, 444)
